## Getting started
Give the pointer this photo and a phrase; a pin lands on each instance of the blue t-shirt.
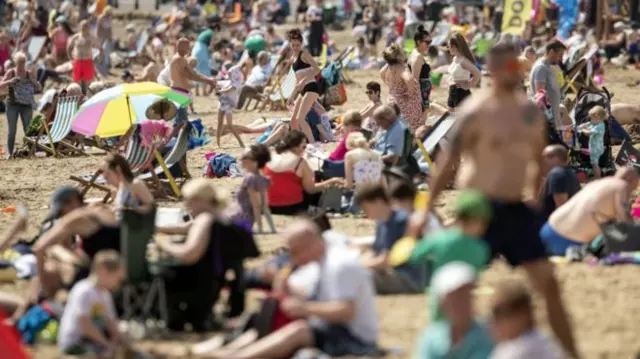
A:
(391, 140)
(435, 343)
(387, 234)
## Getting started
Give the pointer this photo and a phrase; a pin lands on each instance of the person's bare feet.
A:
(207, 346)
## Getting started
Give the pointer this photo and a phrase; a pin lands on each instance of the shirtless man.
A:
(182, 75)
(80, 48)
(578, 221)
(500, 133)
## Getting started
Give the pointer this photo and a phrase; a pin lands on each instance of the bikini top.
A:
(299, 64)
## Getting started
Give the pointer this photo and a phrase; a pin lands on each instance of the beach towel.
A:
(10, 342)
(219, 165)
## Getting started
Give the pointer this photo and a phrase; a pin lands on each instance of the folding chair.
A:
(136, 155)
(53, 140)
(273, 65)
(141, 44)
(283, 89)
(174, 158)
(143, 293)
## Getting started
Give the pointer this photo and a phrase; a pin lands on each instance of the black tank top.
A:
(105, 238)
(299, 64)
(425, 71)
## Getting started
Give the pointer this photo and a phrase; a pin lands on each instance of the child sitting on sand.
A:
(460, 242)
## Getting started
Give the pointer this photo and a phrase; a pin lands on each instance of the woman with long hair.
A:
(403, 87)
(307, 90)
(421, 70)
(462, 71)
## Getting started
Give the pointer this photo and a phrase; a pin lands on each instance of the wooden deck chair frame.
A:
(258, 99)
(57, 142)
(136, 155)
(340, 58)
(174, 158)
(142, 289)
(277, 89)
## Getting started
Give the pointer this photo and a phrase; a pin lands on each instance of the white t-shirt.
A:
(410, 15)
(532, 345)
(259, 76)
(342, 277)
(164, 77)
(84, 299)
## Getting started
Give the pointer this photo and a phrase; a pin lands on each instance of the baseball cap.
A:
(59, 198)
(473, 204)
(46, 99)
(451, 277)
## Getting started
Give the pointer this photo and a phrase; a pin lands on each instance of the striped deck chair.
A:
(273, 65)
(53, 139)
(175, 157)
(284, 88)
(136, 155)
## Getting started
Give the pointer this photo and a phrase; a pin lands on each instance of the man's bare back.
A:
(499, 141)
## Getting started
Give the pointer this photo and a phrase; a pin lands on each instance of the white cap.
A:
(46, 99)
(451, 277)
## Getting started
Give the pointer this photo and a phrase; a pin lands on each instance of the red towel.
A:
(10, 345)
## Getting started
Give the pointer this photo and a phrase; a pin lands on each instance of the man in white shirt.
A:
(257, 79)
(411, 10)
(340, 320)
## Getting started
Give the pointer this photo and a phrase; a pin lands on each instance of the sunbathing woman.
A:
(97, 225)
(307, 90)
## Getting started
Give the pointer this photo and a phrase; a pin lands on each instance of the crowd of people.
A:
(511, 137)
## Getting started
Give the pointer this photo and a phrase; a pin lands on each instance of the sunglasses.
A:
(368, 92)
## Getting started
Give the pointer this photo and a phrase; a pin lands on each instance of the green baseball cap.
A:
(473, 204)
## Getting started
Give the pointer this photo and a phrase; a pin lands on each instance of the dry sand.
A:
(602, 301)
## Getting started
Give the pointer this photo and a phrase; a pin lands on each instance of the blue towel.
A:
(219, 165)
(32, 322)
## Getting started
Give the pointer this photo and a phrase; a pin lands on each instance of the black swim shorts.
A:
(514, 233)
(456, 95)
(311, 87)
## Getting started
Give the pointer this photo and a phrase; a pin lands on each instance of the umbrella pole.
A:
(172, 181)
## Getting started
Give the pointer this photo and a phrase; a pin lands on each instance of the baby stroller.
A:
(579, 155)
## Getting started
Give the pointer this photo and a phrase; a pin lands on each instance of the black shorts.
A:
(311, 87)
(513, 232)
(336, 340)
(456, 95)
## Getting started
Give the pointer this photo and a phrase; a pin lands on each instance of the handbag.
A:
(336, 95)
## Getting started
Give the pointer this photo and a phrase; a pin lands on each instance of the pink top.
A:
(154, 132)
(340, 151)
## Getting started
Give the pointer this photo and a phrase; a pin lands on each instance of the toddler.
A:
(595, 130)
(228, 98)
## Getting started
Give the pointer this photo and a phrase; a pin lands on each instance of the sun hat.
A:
(161, 109)
(46, 99)
(59, 198)
(451, 277)
(473, 204)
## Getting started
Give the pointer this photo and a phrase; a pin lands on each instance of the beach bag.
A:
(336, 95)
(619, 236)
